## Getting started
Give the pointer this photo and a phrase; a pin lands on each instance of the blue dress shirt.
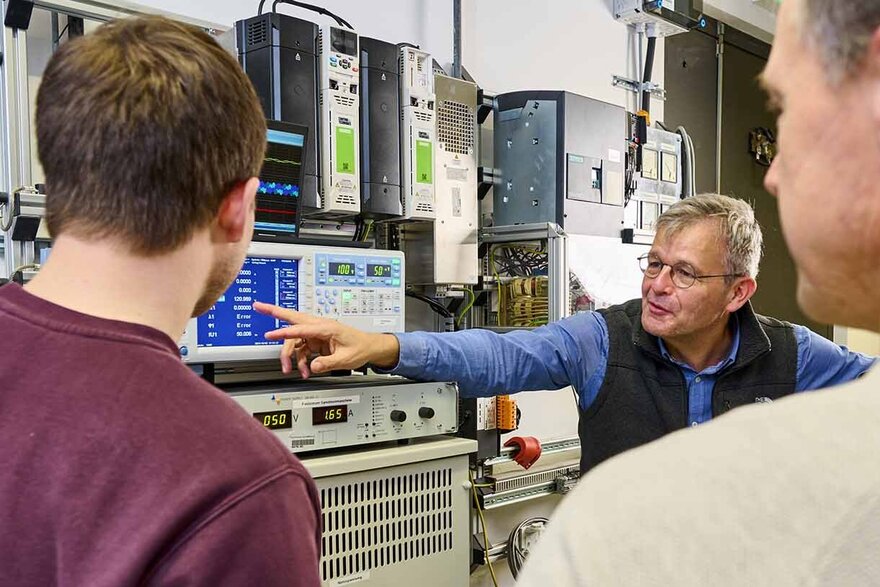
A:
(574, 351)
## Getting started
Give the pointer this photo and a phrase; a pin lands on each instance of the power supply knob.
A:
(426, 412)
(398, 416)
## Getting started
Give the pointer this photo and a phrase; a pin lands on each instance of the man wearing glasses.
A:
(689, 350)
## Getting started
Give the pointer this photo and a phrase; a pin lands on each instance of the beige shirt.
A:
(786, 493)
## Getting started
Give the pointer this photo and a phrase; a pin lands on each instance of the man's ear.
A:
(742, 291)
(236, 210)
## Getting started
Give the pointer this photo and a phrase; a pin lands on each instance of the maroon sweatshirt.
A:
(119, 466)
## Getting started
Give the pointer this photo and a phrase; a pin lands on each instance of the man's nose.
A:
(663, 282)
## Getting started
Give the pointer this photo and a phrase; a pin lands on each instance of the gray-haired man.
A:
(786, 494)
(690, 349)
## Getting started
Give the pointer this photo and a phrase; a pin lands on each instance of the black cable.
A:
(61, 34)
(260, 9)
(322, 11)
(649, 68)
(435, 305)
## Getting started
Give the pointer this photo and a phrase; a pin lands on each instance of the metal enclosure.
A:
(396, 516)
(340, 412)
(659, 184)
(279, 55)
(380, 130)
(339, 103)
(560, 159)
(445, 252)
(670, 17)
(417, 134)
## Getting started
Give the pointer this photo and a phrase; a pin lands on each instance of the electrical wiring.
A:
(435, 305)
(5, 223)
(485, 531)
(515, 554)
(690, 181)
(523, 301)
(469, 306)
(339, 20)
(368, 231)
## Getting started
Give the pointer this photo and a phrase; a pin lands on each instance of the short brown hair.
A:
(143, 127)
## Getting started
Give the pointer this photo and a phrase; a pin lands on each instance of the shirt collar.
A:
(731, 357)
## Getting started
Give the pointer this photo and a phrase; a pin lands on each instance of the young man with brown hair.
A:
(120, 466)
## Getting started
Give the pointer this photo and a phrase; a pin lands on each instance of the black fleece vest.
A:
(645, 396)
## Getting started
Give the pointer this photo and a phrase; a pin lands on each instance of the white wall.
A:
(572, 45)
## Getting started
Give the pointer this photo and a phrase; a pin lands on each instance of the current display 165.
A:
(329, 414)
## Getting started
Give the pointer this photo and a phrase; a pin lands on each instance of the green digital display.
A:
(424, 162)
(345, 149)
(343, 269)
(378, 270)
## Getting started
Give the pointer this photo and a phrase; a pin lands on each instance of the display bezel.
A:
(320, 413)
(287, 424)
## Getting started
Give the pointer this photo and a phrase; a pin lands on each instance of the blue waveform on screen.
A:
(274, 188)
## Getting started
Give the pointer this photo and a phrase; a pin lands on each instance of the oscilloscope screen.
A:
(278, 196)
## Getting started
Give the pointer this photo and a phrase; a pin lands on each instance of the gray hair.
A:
(740, 232)
(841, 31)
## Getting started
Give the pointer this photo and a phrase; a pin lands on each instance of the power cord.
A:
(469, 306)
(322, 11)
(485, 531)
(516, 555)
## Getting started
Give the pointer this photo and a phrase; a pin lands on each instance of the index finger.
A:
(286, 314)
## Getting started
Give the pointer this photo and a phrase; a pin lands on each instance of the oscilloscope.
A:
(363, 288)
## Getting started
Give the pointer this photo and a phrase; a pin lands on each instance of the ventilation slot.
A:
(385, 521)
(258, 32)
(423, 116)
(346, 101)
(455, 127)
(345, 199)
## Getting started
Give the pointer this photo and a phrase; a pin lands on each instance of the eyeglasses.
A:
(683, 274)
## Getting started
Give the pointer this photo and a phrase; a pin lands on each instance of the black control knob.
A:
(398, 416)
(426, 412)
